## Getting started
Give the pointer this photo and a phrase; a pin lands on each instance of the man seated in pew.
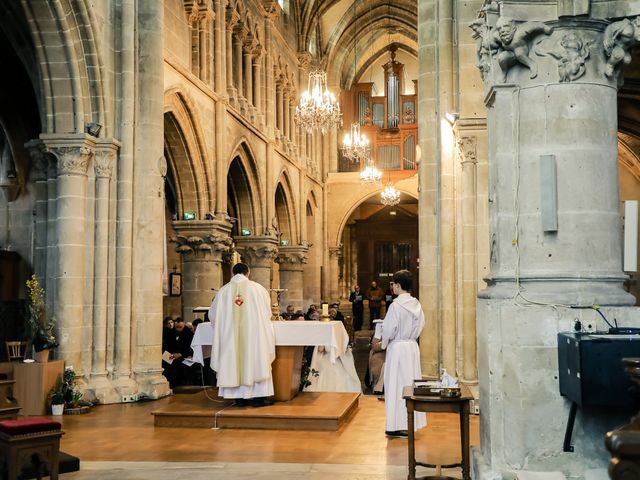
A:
(178, 348)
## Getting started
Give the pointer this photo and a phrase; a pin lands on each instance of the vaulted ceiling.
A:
(349, 35)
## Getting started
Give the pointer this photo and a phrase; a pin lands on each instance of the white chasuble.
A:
(243, 339)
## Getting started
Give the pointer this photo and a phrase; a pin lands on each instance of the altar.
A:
(291, 337)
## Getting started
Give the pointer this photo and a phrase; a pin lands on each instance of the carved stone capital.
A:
(304, 59)
(257, 250)
(618, 41)
(293, 257)
(272, 9)
(72, 152)
(335, 251)
(105, 157)
(204, 237)
(466, 149)
(232, 18)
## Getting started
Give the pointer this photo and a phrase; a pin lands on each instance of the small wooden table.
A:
(434, 404)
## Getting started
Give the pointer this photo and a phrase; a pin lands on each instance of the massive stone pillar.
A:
(73, 152)
(202, 244)
(555, 228)
(292, 260)
(148, 205)
(104, 164)
(258, 252)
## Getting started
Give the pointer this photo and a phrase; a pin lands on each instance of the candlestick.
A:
(325, 309)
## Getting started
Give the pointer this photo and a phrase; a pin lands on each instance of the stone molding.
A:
(335, 251)
(71, 151)
(304, 59)
(619, 39)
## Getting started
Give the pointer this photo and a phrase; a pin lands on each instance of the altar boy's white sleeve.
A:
(390, 325)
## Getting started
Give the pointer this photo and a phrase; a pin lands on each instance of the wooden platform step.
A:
(325, 411)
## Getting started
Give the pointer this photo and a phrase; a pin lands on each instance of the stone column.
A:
(257, 81)
(52, 235)
(555, 229)
(279, 112)
(291, 260)
(467, 280)
(148, 205)
(232, 18)
(202, 244)
(73, 152)
(270, 80)
(104, 164)
(39, 171)
(248, 71)
(237, 62)
(220, 49)
(335, 254)
(259, 253)
(286, 127)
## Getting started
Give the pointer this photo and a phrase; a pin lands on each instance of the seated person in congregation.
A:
(288, 313)
(178, 348)
(376, 360)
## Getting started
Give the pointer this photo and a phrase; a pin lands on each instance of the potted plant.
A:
(66, 395)
(56, 398)
(40, 326)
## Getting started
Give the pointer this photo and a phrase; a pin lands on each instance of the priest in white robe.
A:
(400, 330)
(243, 340)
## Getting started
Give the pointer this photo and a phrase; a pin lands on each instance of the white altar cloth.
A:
(288, 333)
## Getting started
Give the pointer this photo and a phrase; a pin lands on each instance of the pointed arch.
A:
(286, 209)
(244, 190)
(66, 63)
(186, 155)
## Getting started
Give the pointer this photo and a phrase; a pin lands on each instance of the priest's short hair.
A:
(242, 268)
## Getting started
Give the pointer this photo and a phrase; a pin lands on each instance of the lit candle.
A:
(325, 309)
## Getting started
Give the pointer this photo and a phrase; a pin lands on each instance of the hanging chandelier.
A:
(318, 108)
(390, 196)
(355, 146)
(370, 174)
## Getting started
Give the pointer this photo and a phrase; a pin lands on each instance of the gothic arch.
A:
(69, 88)
(285, 208)
(244, 190)
(186, 154)
(359, 202)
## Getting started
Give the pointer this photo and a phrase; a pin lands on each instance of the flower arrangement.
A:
(40, 327)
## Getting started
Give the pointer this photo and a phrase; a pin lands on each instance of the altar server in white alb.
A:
(243, 340)
(400, 330)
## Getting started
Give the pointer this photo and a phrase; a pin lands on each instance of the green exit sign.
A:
(189, 215)
(245, 231)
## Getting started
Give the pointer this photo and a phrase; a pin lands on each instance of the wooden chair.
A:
(16, 350)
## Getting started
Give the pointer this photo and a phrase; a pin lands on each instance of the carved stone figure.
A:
(571, 53)
(619, 38)
(486, 45)
(514, 41)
